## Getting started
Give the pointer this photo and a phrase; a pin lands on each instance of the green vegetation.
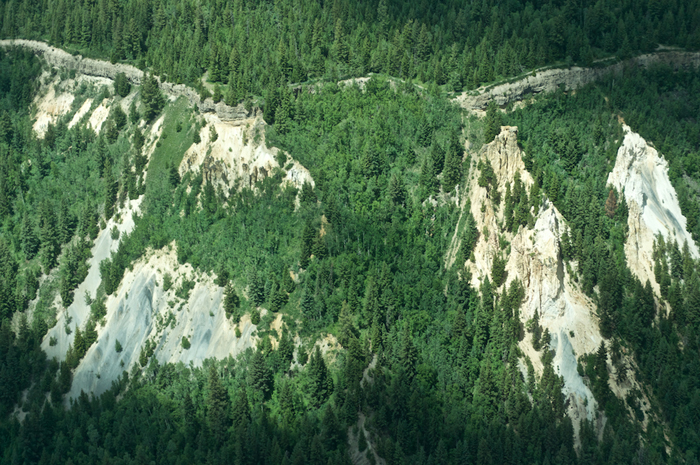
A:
(248, 47)
(433, 364)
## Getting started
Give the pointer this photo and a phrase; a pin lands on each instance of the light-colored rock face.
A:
(55, 99)
(50, 107)
(58, 58)
(236, 156)
(535, 260)
(572, 78)
(78, 312)
(642, 175)
(99, 116)
(141, 310)
(82, 111)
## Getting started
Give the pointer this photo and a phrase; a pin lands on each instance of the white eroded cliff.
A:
(641, 173)
(239, 153)
(142, 310)
(535, 259)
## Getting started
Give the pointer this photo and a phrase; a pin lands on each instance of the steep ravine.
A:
(535, 260)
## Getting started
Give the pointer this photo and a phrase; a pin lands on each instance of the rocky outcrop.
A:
(58, 58)
(239, 156)
(534, 258)
(59, 337)
(549, 80)
(143, 312)
(641, 173)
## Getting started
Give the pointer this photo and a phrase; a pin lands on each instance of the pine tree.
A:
(151, 97)
(256, 289)
(286, 349)
(29, 241)
(321, 382)
(307, 241)
(408, 355)
(260, 375)
(307, 195)
(121, 85)
(396, 190)
(371, 164)
(231, 300)
(428, 178)
(611, 204)
(469, 237)
(49, 244)
(493, 123)
(218, 406)
(282, 119)
(340, 47)
(240, 413)
(110, 190)
(452, 175)
(222, 277)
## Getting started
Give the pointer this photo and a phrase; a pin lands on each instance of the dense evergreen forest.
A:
(249, 46)
(429, 365)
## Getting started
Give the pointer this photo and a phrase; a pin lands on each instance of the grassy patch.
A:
(173, 144)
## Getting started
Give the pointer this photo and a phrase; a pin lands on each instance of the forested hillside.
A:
(249, 47)
(379, 328)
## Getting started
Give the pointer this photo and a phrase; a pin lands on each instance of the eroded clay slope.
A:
(239, 153)
(641, 173)
(141, 310)
(535, 260)
(58, 58)
(77, 314)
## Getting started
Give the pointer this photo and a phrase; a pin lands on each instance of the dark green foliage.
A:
(452, 174)
(498, 270)
(231, 301)
(321, 383)
(470, 236)
(307, 195)
(121, 85)
(445, 386)
(493, 122)
(260, 375)
(218, 406)
(151, 97)
(117, 346)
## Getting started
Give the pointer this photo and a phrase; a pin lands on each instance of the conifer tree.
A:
(49, 244)
(286, 349)
(493, 122)
(256, 289)
(110, 190)
(321, 382)
(240, 413)
(218, 406)
(611, 204)
(307, 241)
(307, 195)
(428, 178)
(396, 190)
(452, 173)
(231, 300)
(260, 375)
(151, 97)
(408, 355)
(29, 241)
